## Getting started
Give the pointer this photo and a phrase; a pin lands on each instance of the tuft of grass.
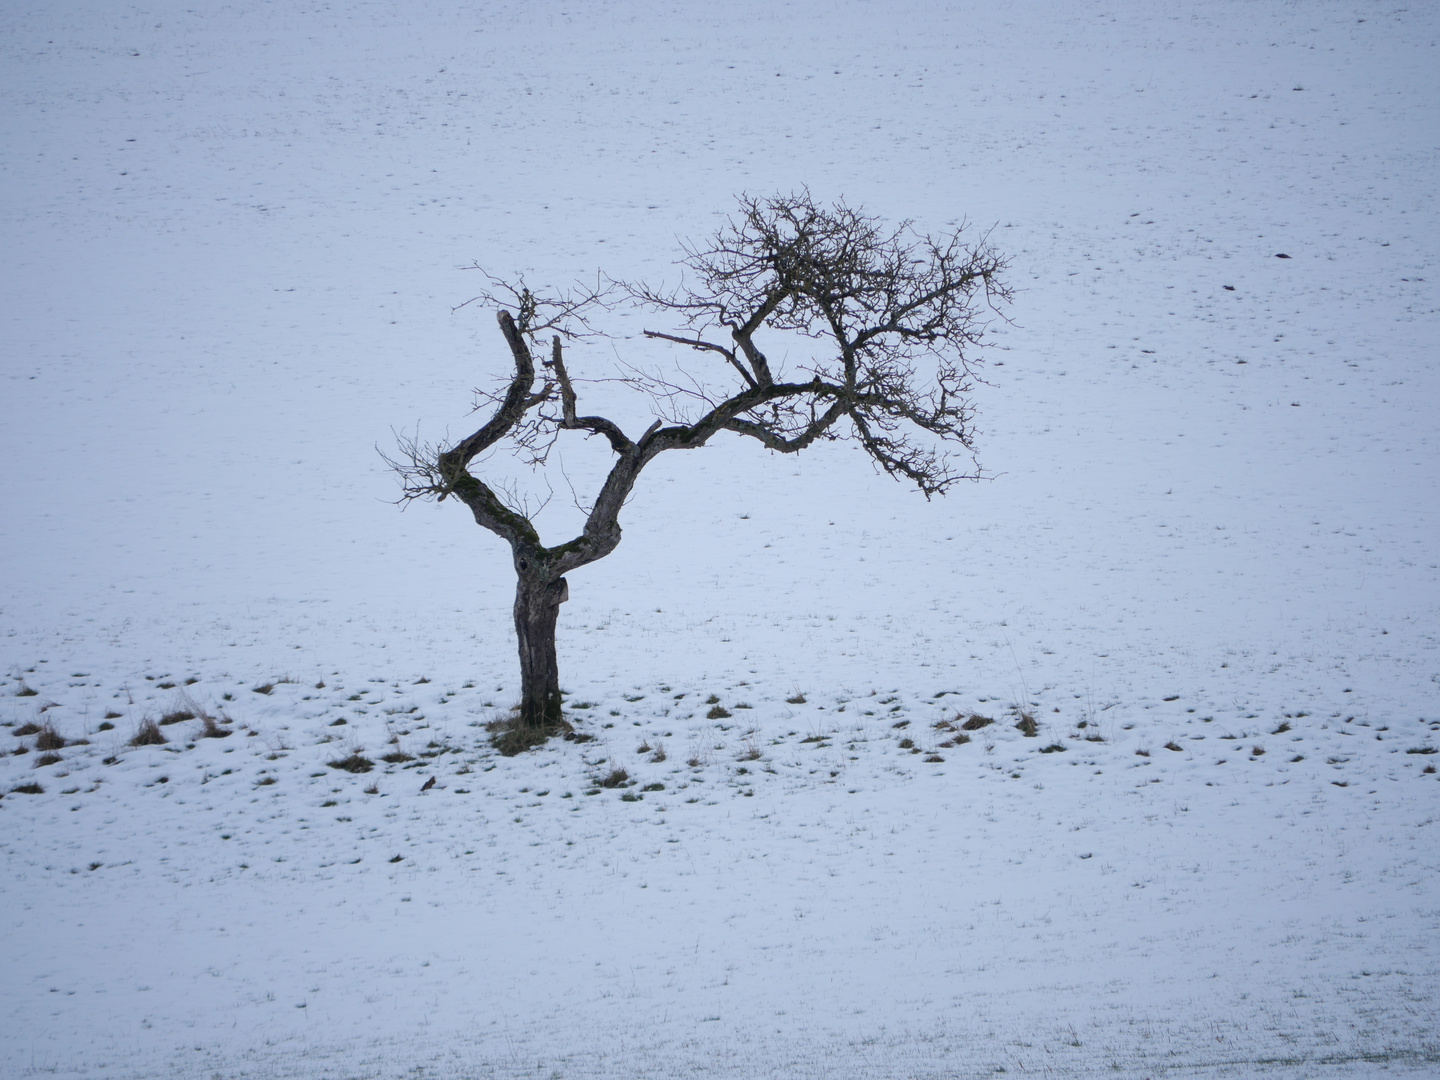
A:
(355, 763)
(1173, 745)
(1256, 751)
(27, 729)
(795, 699)
(148, 734)
(718, 712)
(907, 744)
(934, 759)
(750, 753)
(211, 729)
(513, 736)
(1417, 750)
(187, 708)
(111, 714)
(1053, 748)
(105, 725)
(659, 755)
(1284, 727)
(1026, 725)
(268, 688)
(657, 786)
(397, 756)
(712, 700)
(25, 691)
(28, 789)
(49, 739)
(47, 759)
(616, 778)
(373, 789)
(975, 722)
(644, 747)
(960, 739)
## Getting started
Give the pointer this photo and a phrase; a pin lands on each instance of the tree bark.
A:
(537, 606)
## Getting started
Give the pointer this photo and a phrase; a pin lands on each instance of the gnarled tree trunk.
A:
(537, 606)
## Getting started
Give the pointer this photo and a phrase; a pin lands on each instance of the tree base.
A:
(515, 735)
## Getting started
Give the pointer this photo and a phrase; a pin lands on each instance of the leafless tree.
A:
(893, 320)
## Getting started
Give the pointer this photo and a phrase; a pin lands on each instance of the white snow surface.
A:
(1206, 561)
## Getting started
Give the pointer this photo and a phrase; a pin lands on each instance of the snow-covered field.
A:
(1206, 564)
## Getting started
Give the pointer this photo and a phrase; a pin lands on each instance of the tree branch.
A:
(697, 344)
(597, 425)
(512, 408)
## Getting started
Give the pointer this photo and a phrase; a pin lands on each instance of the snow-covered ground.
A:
(1206, 564)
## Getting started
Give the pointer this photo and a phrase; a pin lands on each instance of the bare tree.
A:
(895, 318)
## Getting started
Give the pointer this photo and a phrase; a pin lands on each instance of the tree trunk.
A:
(537, 606)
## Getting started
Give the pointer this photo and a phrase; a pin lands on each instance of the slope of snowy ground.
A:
(1206, 564)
